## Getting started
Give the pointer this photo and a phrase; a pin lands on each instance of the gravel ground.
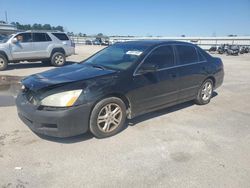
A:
(182, 146)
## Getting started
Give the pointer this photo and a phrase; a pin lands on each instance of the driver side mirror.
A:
(146, 68)
(14, 40)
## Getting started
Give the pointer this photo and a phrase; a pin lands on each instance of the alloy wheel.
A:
(59, 59)
(207, 90)
(109, 117)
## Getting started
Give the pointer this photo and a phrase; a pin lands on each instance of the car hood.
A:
(67, 74)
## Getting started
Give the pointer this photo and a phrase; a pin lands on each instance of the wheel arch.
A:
(54, 50)
(4, 54)
(120, 96)
(211, 78)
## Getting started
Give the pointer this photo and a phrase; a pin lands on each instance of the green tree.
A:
(47, 27)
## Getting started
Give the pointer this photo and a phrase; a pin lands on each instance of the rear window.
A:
(187, 54)
(61, 36)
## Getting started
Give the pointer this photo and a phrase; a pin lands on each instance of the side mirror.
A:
(14, 40)
(146, 68)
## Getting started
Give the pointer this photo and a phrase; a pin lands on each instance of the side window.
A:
(61, 36)
(201, 56)
(41, 37)
(187, 54)
(24, 37)
(162, 57)
(47, 37)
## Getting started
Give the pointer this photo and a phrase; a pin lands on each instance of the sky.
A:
(135, 17)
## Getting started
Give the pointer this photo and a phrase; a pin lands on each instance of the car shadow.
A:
(132, 122)
(68, 140)
(158, 113)
(164, 111)
(32, 65)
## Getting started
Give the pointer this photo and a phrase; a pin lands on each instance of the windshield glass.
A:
(4, 39)
(118, 56)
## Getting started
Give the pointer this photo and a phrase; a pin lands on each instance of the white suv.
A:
(48, 47)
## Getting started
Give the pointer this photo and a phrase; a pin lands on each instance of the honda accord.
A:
(120, 82)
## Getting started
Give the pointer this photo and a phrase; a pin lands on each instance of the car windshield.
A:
(4, 39)
(118, 56)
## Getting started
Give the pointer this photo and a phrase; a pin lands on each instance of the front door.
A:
(23, 48)
(155, 89)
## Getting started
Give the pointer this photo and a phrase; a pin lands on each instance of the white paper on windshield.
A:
(137, 53)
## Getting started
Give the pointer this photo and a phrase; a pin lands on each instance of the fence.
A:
(203, 42)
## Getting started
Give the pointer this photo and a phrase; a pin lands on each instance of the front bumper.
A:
(57, 123)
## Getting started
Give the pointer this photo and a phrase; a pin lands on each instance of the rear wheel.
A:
(205, 92)
(108, 117)
(3, 62)
(58, 59)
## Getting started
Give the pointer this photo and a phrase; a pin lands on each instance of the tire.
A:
(205, 92)
(58, 59)
(3, 62)
(108, 125)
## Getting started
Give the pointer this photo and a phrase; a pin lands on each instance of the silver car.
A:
(48, 47)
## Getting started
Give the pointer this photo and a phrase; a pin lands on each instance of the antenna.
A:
(6, 17)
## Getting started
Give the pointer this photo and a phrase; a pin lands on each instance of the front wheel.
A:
(108, 117)
(3, 62)
(58, 59)
(205, 92)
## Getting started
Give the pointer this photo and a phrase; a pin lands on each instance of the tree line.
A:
(36, 26)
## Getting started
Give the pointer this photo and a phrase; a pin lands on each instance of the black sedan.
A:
(118, 83)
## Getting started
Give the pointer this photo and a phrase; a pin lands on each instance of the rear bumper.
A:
(219, 78)
(70, 51)
(58, 123)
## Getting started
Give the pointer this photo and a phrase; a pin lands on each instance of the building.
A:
(6, 29)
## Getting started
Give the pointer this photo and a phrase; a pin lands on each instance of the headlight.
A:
(63, 99)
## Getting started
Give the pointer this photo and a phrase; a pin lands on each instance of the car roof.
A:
(155, 42)
(41, 31)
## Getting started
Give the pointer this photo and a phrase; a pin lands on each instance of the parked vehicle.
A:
(105, 43)
(244, 49)
(121, 81)
(88, 42)
(233, 50)
(247, 49)
(213, 49)
(221, 49)
(48, 47)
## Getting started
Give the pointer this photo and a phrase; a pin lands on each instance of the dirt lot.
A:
(182, 146)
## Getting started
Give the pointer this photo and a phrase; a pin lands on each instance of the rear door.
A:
(159, 88)
(191, 70)
(41, 42)
(23, 48)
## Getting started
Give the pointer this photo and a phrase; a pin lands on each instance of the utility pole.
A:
(6, 17)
